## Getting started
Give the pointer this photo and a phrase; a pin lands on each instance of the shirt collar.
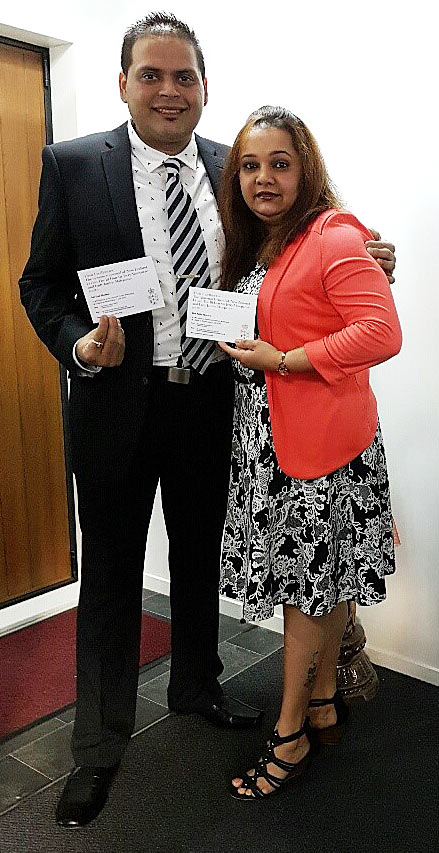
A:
(151, 159)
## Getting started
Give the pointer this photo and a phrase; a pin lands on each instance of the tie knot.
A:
(173, 168)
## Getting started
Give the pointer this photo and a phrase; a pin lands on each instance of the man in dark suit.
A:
(142, 408)
(138, 412)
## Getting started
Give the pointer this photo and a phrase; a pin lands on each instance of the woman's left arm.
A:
(359, 292)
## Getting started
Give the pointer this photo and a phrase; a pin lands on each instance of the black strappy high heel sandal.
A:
(331, 734)
(294, 771)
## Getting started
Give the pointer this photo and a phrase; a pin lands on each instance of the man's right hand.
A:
(103, 346)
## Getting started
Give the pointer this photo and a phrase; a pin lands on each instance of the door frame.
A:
(63, 380)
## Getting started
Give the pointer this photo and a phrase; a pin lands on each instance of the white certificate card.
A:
(122, 289)
(220, 315)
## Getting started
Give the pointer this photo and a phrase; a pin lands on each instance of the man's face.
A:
(164, 92)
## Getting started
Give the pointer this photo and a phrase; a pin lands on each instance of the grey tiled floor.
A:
(36, 758)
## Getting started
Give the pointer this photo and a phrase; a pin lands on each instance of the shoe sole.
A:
(330, 736)
(245, 723)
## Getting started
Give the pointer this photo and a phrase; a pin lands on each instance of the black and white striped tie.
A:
(190, 261)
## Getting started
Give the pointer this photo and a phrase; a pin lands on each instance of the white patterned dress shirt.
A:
(149, 176)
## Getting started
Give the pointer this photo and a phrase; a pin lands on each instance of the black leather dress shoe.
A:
(228, 713)
(84, 795)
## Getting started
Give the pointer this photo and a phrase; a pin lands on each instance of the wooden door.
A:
(35, 530)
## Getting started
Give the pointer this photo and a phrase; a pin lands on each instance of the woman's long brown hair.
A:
(247, 240)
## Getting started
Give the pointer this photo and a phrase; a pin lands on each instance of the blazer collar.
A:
(213, 162)
(275, 274)
(116, 161)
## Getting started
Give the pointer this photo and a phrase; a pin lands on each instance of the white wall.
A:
(364, 81)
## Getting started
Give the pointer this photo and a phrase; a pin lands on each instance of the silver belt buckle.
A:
(181, 375)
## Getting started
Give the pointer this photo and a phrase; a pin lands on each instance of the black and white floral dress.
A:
(308, 543)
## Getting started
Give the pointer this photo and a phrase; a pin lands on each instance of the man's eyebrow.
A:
(174, 70)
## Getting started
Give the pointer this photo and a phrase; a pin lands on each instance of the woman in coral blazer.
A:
(326, 294)
(309, 522)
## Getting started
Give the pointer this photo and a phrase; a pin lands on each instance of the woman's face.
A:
(269, 173)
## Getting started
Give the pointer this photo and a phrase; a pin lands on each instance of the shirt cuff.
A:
(85, 368)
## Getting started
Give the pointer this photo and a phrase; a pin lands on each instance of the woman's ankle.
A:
(323, 716)
(324, 691)
(287, 726)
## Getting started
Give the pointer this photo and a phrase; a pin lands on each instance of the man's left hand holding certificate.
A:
(113, 291)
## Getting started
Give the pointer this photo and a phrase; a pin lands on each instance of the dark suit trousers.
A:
(124, 441)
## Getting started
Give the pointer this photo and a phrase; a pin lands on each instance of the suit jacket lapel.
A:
(116, 161)
(212, 160)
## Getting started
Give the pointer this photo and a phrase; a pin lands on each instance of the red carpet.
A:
(37, 666)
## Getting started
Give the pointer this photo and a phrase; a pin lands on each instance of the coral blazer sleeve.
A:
(359, 292)
(327, 294)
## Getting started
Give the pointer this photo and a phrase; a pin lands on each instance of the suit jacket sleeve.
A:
(359, 292)
(49, 282)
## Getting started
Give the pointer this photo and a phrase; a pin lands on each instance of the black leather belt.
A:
(179, 375)
(185, 375)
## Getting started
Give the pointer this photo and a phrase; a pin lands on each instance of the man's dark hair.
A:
(159, 24)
